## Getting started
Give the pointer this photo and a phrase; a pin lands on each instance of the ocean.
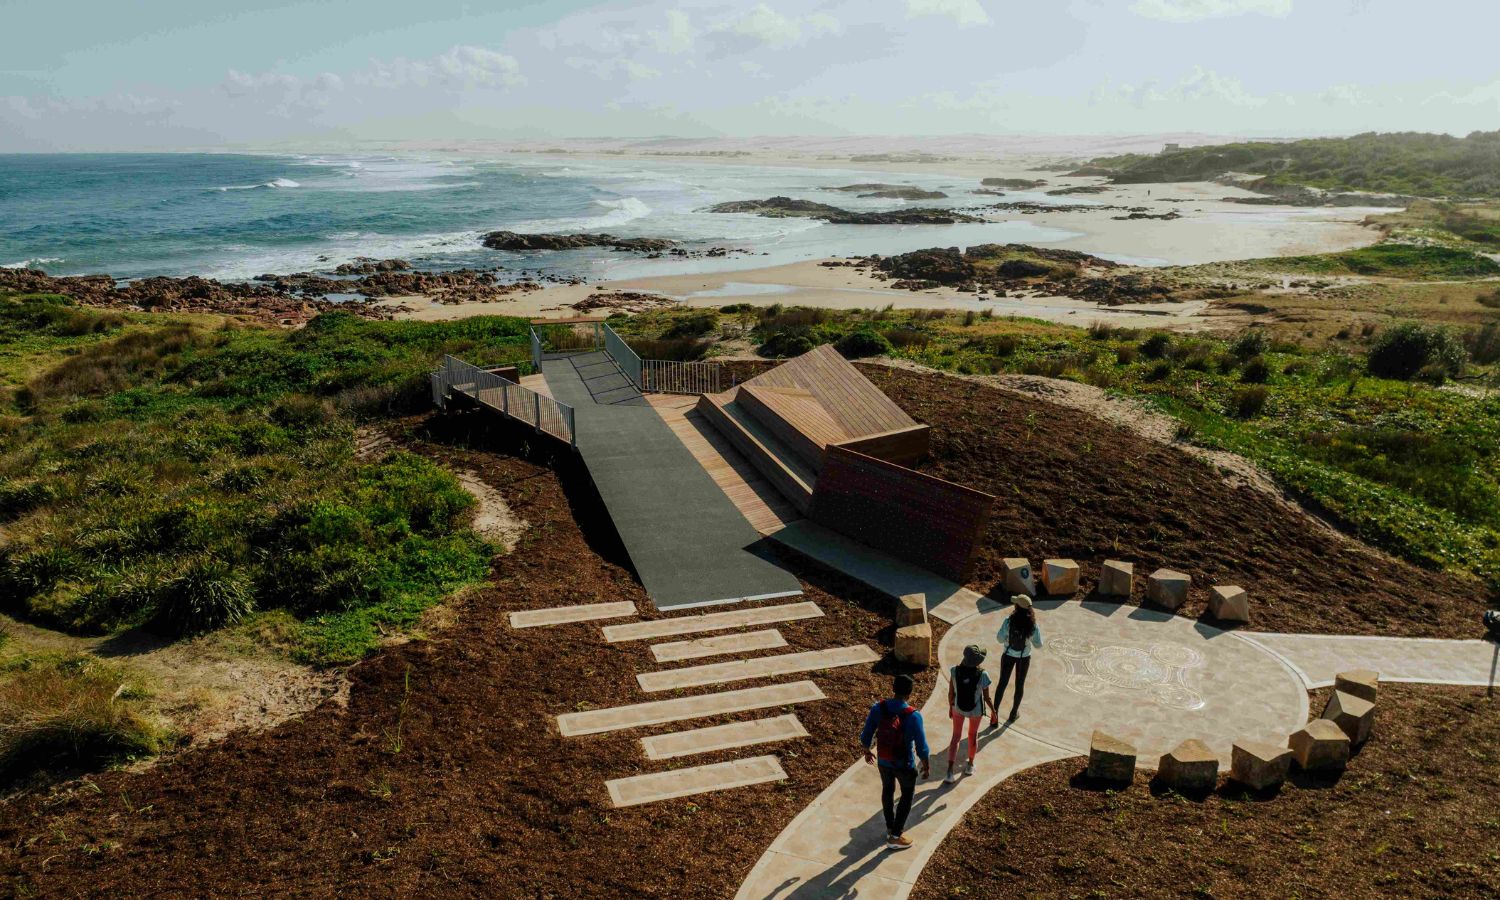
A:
(235, 216)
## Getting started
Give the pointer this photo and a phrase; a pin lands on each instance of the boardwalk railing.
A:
(506, 397)
(627, 359)
(661, 376)
(666, 376)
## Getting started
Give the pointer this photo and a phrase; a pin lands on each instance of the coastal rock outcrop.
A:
(511, 240)
(786, 207)
(1013, 184)
(367, 266)
(904, 193)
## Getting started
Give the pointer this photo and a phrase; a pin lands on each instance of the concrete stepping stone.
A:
(1060, 577)
(657, 786)
(1228, 603)
(1116, 579)
(1018, 578)
(761, 667)
(719, 621)
(713, 646)
(658, 712)
(1362, 683)
(1354, 716)
(1320, 746)
(723, 737)
(564, 615)
(1168, 589)
(1190, 766)
(1111, 759)
(1258, 765)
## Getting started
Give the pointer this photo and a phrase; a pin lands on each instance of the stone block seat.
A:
(1189, 767)
(1354, 716)
(1018, 577)
(911, 610)
(1362, 683)
(1060, 577)
(1320, 746)
(1228, 603)
(1111, 759)
(1168, 589)
(1116, 579)
(914, 645)
(1258, 765)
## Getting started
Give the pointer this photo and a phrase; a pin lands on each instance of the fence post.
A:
(538, 399)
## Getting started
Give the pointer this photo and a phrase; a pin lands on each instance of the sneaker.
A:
(969, 767)
(898, 843)
(952, 776)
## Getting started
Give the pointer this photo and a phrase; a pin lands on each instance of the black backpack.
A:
(1020, 633)
(966, 687)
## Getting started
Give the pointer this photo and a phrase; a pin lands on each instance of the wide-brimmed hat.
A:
(974, 654)
(1021, 601)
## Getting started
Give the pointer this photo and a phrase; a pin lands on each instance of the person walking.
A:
(1018, 635)
(893, 736)
(968, 695)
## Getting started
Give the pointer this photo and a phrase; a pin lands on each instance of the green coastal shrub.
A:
(209, 595)
(862, 343)
(1403, 351)
(787, 343)
(1156, 346)
(1256, 371)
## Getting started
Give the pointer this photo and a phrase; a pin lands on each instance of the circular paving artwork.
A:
(1144, 676)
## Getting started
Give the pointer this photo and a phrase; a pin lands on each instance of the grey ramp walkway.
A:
(688, 543)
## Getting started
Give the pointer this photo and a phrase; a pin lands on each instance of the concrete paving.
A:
(688, 543)
(723, 776)
(760, 667)
(1317, 658)
(719, 621)
(718, 645)
(946, 601)
(723, 737)
(657, 712)
(563, 615)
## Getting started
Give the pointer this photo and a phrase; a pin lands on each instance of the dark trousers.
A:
(895, 819)
(1020, 665)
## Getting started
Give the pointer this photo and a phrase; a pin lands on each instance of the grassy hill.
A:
(1423, 165)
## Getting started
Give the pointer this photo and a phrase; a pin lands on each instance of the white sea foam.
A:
(33, 263)
(616, 213)
(273, 183)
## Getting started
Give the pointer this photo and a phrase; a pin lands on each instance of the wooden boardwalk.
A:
(761, 504)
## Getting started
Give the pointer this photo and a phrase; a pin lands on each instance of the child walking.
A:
(968, 695)
(1019, 635)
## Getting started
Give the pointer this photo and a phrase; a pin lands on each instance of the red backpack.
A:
(889, 746)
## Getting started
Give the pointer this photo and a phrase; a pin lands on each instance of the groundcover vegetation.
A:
(182, 478)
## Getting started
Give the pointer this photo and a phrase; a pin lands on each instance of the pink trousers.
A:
(958, 727)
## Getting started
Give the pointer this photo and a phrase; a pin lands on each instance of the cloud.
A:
(1194, 10)
(1198, 86)
(678, 37)
(964, 12)
(762, 25)
(612, 69)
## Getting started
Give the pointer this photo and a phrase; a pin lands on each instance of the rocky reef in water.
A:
(889, 191)
(511, 240)
(1013, 184)
(786, 207)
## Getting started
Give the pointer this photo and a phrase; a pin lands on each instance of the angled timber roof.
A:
(850, 400)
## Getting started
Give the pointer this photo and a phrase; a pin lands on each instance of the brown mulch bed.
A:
(1415, 815)
(1073, 487)
(445, 775)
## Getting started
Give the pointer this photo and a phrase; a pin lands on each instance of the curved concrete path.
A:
(1149, 677)
(1317, 658)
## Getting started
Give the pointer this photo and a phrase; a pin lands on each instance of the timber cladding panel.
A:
(923, 520)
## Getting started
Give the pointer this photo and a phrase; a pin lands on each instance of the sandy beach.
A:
(1208, 229)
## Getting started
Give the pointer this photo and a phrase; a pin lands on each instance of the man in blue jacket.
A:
(894, 737)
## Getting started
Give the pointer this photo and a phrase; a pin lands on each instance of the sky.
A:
(173, 74)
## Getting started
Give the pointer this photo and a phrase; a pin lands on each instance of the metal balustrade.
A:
(506, 397)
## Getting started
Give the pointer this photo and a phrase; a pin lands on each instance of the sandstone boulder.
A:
(914, 645)
(1354, 716)
(1116, 579)
(911, 610)
(1259, 766)
(1018, 578)
(1060, 577)
(1228, 603)
(1168, 589)
(1362, 683)
(1320, 746)
(1111, 759)
(1189, 767)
